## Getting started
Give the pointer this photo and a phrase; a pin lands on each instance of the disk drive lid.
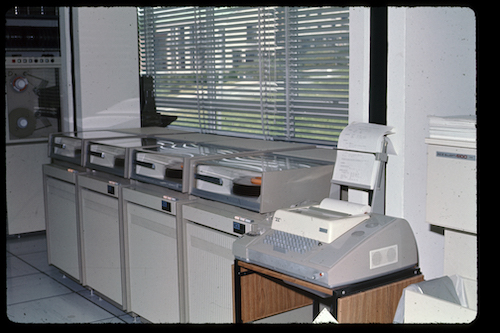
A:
(71, 146)
(262, 182)
(113, 155)
(168, 164)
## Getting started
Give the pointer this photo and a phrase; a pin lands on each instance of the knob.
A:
(317, 275)
(20, 83)
(22, 122)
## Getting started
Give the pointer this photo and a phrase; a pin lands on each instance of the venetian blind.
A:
(279, 73)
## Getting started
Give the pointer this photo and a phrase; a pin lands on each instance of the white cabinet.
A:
(61, 219)
(102, 227)
(451, 203)
(209, 280)
(152, 217)
(451, 184)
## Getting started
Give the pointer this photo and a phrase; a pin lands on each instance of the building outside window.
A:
(276, 73)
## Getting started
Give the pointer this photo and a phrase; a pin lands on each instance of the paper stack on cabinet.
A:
(462, 128)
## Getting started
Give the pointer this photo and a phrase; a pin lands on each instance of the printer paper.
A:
(356, 161)
(346, 207)
(356, 168)
(461, 128)
(363, 137)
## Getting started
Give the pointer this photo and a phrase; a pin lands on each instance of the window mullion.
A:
(261, 72)
(287, 74)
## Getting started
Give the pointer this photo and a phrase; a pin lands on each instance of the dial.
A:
(20, 83)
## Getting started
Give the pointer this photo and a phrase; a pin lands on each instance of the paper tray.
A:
(445, 301)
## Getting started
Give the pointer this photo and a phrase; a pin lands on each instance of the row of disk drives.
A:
(265, 202)
(157, 211)
(258, 175)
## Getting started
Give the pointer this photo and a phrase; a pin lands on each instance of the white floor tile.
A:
(114, 320)
(27, 244)
(69, 308)
(38, 260)
(96, 299)
(66, 281)
(16, 267)
(130, 320)
(301, 315)
(39, 293)
(31, 287)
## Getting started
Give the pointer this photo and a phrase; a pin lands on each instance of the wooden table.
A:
(260, 292)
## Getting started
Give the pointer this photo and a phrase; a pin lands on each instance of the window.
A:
(278, 73)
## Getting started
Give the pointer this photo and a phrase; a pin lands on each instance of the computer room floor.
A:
(39, 293)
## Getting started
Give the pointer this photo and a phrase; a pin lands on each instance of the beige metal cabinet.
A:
(156, 287)
(451, 184)
(210, 230)
(209, 260)
(61, 219)
(102, 228)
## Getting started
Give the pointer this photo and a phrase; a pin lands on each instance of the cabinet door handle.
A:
(213, 180)
(96, 153)
(145, 164)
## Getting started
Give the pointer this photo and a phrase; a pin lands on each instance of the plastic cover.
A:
(447, 288)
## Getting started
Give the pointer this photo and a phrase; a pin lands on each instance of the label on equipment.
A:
(456, 156)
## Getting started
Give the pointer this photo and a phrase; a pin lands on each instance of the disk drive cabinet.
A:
(61, 218)
(210, 230)
(113, 156)
(261, 181)
(152, 215)
(102, 234)
(72, 146)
